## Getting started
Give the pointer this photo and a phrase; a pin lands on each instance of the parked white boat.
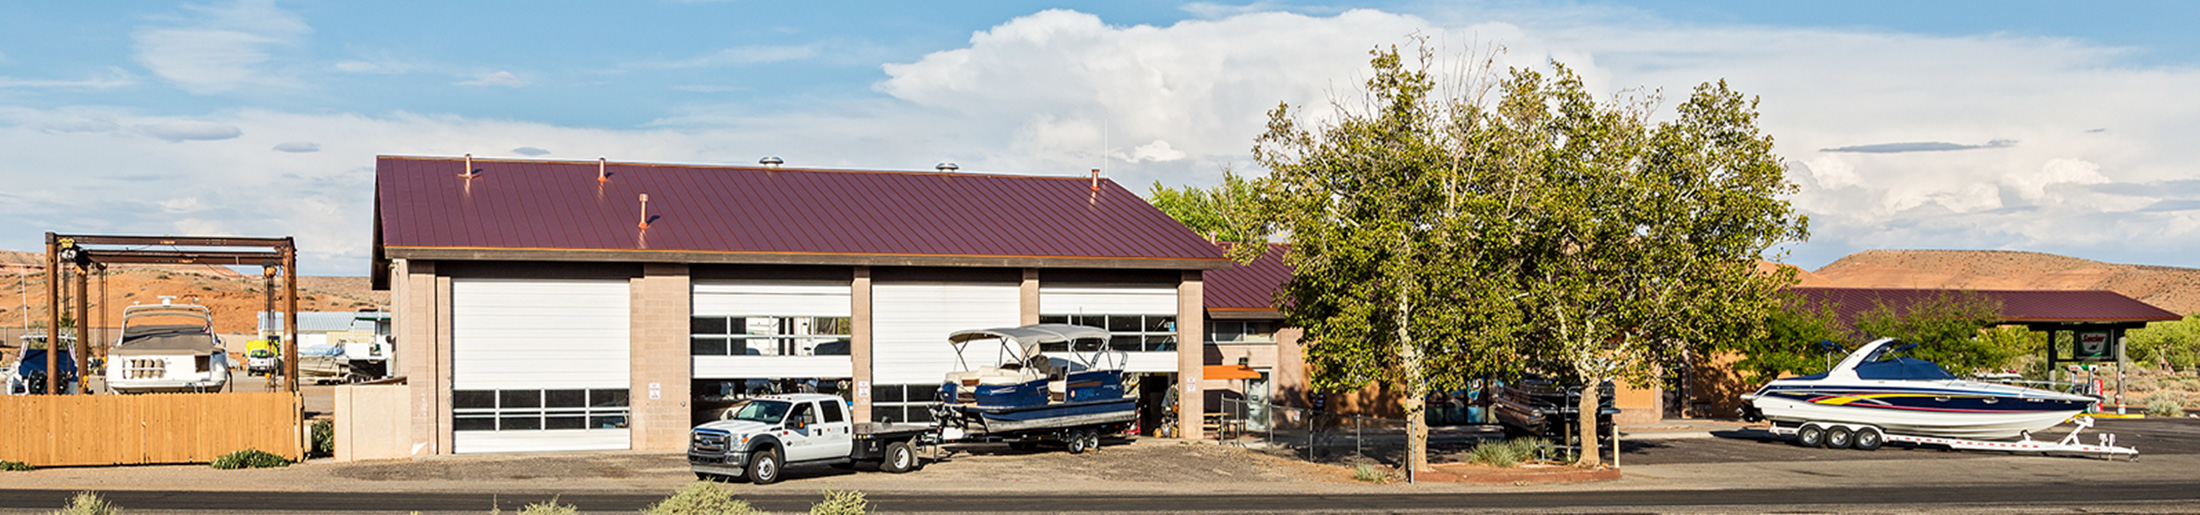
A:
(1901, 395)
(167, 348)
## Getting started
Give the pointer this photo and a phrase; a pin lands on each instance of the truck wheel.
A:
(764, 467)
(900, 457)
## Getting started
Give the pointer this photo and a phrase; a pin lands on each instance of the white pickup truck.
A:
(767, 435)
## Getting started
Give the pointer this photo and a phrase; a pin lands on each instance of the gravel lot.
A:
(1720, 459)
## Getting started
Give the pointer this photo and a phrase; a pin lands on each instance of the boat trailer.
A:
(1857, 438)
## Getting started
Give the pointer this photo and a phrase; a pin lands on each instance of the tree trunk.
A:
(1587, 422)
(1415, 405)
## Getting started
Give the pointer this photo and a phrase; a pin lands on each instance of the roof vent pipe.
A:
(771, 161)
(946, 166)
(603, 172)
(645, 212)
(1096, 181)
(469, 173)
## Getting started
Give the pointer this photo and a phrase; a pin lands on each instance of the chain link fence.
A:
(1332, 438)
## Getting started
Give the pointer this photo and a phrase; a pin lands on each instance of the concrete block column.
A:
(662, 367)
(423, 353)
(1028, 298)
(859, 341)
(1191, 339)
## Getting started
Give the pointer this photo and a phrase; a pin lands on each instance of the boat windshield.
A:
(1883, 364)
(768, 412)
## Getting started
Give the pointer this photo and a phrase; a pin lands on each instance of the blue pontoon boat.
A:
(1023, 389)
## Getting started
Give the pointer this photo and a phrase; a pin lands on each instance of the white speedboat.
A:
(1907, 396)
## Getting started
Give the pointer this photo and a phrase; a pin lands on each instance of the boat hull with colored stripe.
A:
(1950, 409)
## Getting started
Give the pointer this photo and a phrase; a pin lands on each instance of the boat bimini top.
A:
(1025, 341)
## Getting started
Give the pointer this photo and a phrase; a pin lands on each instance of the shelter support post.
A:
(83, 333)
(289, 253)
(53, 311)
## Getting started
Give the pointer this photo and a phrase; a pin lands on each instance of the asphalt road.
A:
(1908, 498)
(2154, 438)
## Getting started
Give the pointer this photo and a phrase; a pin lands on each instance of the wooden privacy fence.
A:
(66, 430)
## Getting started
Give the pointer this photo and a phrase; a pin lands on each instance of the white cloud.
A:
(297, 147)
(113, 77)
(1060, 92)
(738, 56)
(495, 78)
(220, 48)
(186, 130)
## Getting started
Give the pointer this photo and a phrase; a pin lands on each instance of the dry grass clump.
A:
(844, 502)
(701, 498)
(87, 503)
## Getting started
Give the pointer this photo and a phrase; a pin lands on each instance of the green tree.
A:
(1790, 344)
(1225, 213)
(2174, 344)
(1642, 238)
(1946, 329)
(1386, 225)
(1440, 237)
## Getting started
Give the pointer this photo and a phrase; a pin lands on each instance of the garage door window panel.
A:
(534, 410)
(765, 335)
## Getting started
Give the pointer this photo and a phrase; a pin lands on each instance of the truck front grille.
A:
(709, 442)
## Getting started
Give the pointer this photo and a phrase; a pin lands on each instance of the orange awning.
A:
(1229, 372)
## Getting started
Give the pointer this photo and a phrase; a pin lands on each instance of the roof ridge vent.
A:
(771, 161)
(947, 166)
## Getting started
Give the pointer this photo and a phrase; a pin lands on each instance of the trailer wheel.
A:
(764, 467)
(899, 458)
(1810, 435)
(1077, 443)
(1840, 438)
(1869, 439)
(1092, 440)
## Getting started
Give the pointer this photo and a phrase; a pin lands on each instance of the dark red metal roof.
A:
(557, 205)
(2017, 306)
(1247, 287)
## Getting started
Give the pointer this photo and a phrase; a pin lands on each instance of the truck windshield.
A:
(768, 412)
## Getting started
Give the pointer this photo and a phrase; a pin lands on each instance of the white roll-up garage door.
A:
(539, 365)
(800, 304)
(910, 323)
(1127, 311)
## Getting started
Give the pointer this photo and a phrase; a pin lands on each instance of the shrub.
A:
(1367, 473)
(2170, 405)
(87, 503)
(324, 437)
(550, 507)
(1530, 448)
(845, 502)
(701, 498)
(249, 459)
(14, 466)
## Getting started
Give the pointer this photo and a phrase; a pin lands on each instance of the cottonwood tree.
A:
(1436, 237)
(1385, 219)
(1223, 213)
(1641, 239)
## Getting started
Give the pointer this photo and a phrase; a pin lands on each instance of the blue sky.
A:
(2057, 127)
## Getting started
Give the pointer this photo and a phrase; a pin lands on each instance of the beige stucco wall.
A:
(371, 422)
(658, 327)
